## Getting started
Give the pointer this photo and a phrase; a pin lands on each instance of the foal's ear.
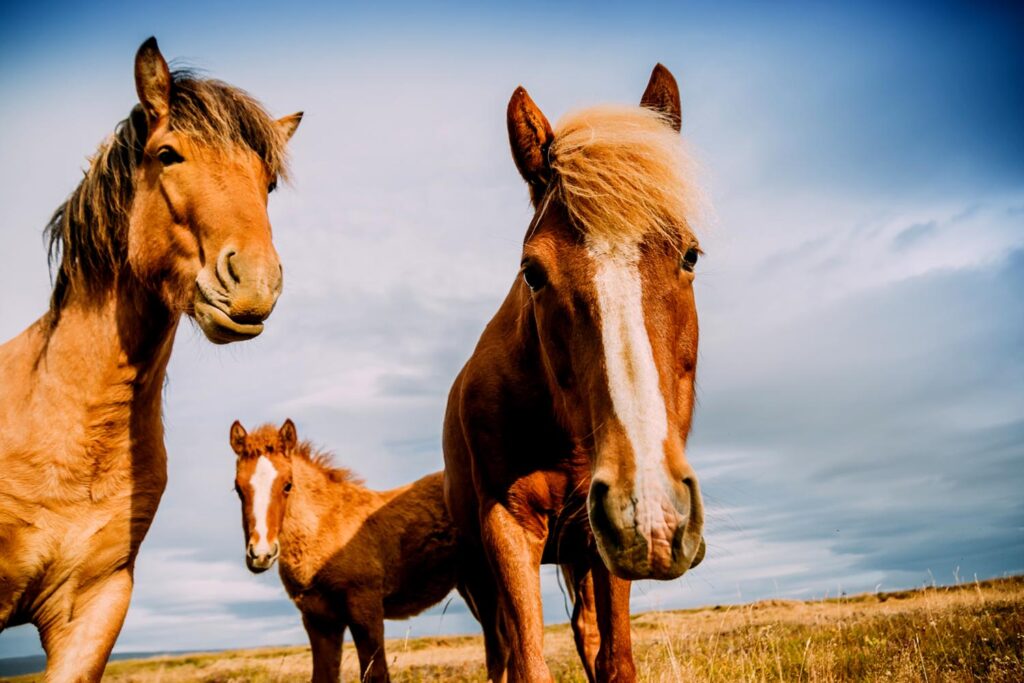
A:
(662, 95)
(288, 436)
(238, 435)
(530, 135)
(288, 124)
(152, 81)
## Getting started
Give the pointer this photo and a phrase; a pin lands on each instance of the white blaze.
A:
(633, 375)
(262, 482)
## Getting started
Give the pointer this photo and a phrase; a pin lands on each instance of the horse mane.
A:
(622, 172)
(87, 234)
(263, 439)
(324, 461)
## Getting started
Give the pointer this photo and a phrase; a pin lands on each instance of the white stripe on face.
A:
(633, 376)
(262, 482)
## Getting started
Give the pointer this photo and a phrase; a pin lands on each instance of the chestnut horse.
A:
(565, 433)
(349, 556)
(170, 218)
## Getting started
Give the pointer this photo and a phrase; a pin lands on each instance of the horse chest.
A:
(552, 504)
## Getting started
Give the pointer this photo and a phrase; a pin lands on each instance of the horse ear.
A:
(288, 124)
(288, 436)
(530, 135)
(238, 435)
(662, 95)
(152, 81)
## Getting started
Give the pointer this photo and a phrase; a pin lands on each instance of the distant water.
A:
(17, 666)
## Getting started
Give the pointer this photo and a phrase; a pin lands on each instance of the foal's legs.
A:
(325, 641)
(615, 656)
(79, 631)
(584, 616)
(366, 621)
(515, 557)
(481, 594)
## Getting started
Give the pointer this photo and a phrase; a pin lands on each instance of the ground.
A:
(969, 632)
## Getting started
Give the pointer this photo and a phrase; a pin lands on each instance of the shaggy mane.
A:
(263, 438)
(325, 461)
(622, 172)
(87, 234)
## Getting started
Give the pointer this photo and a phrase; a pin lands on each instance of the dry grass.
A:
(972, 632)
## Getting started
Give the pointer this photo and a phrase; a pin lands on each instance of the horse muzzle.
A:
(229, 308)
(643, 538)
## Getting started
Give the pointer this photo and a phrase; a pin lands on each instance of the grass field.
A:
(970, 632)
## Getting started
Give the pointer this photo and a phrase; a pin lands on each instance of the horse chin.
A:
(219, 327)
(257, 567)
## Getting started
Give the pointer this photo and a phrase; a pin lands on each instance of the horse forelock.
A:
(623, 173)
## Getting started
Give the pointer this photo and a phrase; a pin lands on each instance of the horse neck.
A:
(316, 502)
(111, 347)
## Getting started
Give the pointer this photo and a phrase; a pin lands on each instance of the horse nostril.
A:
(227, 271)
(232, 273)
(599, 519)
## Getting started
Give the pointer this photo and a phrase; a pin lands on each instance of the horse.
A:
(169, 219)
(348, 556)
(565, 432)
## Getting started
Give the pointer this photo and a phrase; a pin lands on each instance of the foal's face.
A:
(617, 326)
(199, 233)
(263, 481)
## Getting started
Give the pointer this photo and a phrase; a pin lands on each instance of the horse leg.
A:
(325, 642)
(366, 620)
(79, 635)
(584, 618)
(478, 589)
(515, 557)
(611, 598)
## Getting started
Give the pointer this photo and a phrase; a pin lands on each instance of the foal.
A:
(349, 556)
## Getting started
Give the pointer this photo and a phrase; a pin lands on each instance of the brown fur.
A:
(350, 557)
(538, 466)
(81, 435)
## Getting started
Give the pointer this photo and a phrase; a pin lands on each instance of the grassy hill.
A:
(970, 632)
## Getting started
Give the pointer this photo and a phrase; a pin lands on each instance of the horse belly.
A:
(427, 577)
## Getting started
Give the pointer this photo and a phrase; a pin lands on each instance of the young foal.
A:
(349, 556)
(170, 218)
(565, 431)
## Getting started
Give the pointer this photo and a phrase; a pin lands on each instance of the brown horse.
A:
(170, 218)
(349, 557)
(564, 438)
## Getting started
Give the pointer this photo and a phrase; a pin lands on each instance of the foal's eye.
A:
(287, 487)
(168, 156)
(272, 186)
(534, 275)
(689, 259)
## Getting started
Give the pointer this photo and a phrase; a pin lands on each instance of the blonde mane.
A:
(87, 234)
(622, 172)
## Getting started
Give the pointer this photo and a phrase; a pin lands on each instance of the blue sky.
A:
(861, 416)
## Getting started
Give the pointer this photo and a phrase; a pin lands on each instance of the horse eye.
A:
(168, 156)
(689, 259)
(534, 275)
(272, 186)
(287, 487)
